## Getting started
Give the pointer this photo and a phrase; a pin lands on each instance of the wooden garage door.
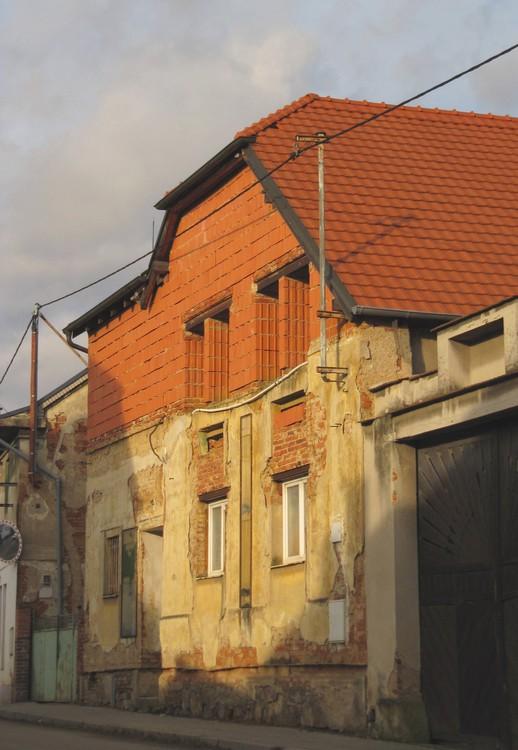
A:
(468, 572)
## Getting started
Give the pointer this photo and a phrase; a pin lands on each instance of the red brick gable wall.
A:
(142, 361)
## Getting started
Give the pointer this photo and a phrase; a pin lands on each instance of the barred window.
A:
(111, 565)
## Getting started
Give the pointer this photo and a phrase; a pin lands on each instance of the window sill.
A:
(213, 577)
(288, 564)
(110, 596)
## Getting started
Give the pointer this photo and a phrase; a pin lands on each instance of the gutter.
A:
(362, 311)
(73, 345)
(59, 522)
(109, 307)
(185, 187)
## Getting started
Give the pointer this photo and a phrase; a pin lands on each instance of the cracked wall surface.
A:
(272, 661)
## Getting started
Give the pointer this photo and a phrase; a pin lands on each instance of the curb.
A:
(185, 740)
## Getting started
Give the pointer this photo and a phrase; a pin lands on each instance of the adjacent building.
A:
(41, 592)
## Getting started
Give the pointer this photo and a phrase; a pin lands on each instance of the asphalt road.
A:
(19, 736)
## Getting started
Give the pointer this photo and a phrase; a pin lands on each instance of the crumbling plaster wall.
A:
(217, 658)
(61, 450)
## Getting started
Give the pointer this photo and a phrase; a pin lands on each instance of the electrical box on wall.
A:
(337, 621)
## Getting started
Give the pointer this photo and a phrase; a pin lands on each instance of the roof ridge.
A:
(278, 114)
(420, 108)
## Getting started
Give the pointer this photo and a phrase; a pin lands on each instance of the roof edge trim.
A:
(115, 303)
(174, 195)
(364, 311)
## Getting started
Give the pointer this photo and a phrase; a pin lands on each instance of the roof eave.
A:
(364, 311)
(107, 308)
(184, 188)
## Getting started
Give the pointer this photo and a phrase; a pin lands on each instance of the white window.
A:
(217, 538)
(293, 536)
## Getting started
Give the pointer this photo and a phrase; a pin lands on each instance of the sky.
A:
(107, 104)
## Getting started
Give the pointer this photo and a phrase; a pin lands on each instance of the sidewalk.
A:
(201, 733)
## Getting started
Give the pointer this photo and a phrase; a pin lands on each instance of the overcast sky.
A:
(106, 104)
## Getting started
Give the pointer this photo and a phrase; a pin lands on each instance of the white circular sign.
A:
(10, 542)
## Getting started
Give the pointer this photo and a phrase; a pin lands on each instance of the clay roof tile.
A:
(423, 201)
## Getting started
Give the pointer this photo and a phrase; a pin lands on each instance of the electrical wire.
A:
(97, 281)
(16, 351)
(349, 129)
(269, 173)
(291, 157)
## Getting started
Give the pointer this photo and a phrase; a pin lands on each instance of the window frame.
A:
(216, 572)
(301, 484)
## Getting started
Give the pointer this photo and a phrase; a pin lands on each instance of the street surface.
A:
(19, 736)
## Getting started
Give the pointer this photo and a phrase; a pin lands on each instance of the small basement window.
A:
(211, 437)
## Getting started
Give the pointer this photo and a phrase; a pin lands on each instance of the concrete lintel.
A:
(466, 408)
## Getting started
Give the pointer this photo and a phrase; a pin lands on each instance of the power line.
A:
(16, 351)
(290, 158)
(268, 174)
(97, 281)
(349, 129)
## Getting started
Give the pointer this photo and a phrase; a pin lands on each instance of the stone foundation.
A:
(124, 688)
(323, 698)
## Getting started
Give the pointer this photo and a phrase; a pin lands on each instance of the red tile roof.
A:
(421, 205)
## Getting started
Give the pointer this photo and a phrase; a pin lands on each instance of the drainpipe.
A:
(59, 523)
(73, 345)
(33, 409)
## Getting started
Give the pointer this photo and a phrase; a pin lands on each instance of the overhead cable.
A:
(349, 129)
(16, 351)
(97, 281)
(291, 157)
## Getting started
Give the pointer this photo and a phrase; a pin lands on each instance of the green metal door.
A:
(44, 664)
(54, 660)
(66, 665)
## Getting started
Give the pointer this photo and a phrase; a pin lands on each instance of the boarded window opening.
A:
(211, 437)
(289, 410)
(207, 353)
(293, 321)
(111, 565)
(194, 363)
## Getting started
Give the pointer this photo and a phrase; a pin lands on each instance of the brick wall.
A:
(142, 362)
(267, 337)
(293, 322)
(215, 360)
(290, 443)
